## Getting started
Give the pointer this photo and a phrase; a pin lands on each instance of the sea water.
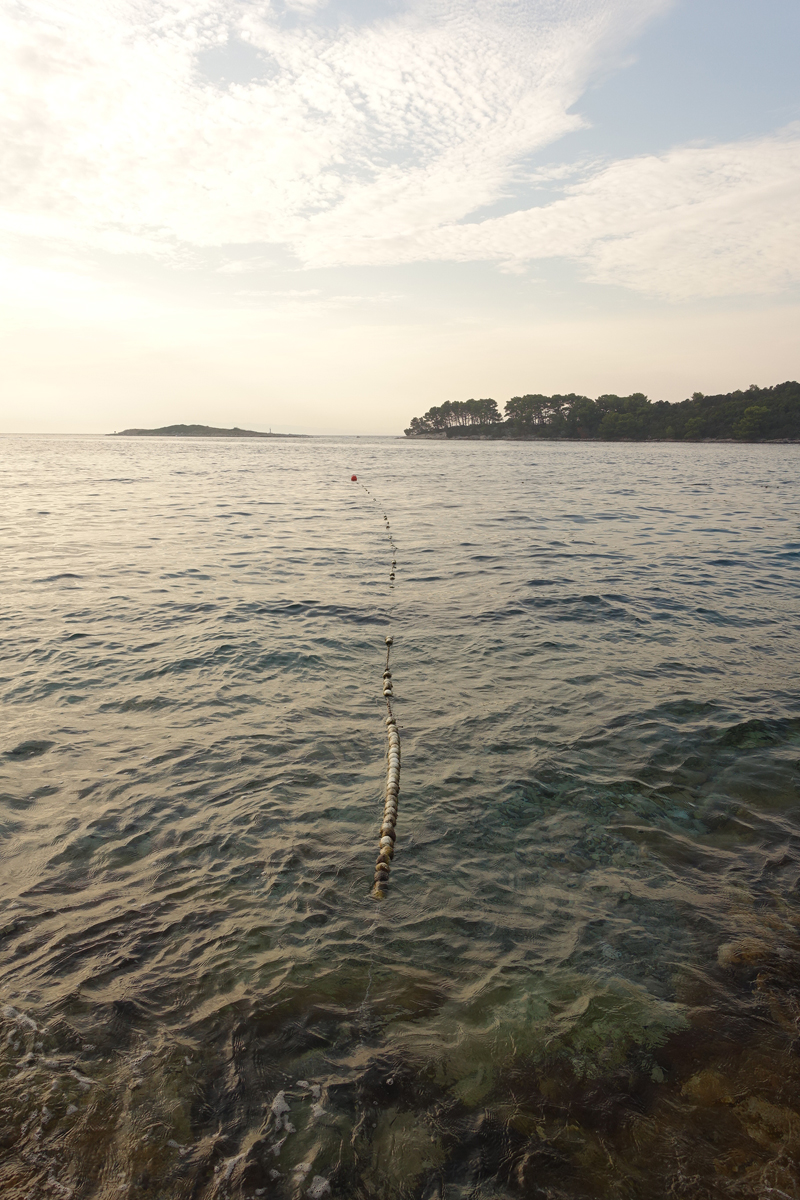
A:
(585, 978)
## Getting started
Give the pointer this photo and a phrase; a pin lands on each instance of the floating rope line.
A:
(390, 539)
(387, 833)
(387, 838)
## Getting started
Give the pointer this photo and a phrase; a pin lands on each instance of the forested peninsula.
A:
(755, 415)
(199, 431)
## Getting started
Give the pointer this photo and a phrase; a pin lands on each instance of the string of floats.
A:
(388, 834)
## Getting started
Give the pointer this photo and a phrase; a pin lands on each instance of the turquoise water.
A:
(585, 978)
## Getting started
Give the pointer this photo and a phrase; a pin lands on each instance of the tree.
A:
(757, 413)
(526, 411)
(752, 423)
(695, 427)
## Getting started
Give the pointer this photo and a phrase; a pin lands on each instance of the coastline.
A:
(201, 431)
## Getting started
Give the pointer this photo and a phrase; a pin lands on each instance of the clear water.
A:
(585, 978)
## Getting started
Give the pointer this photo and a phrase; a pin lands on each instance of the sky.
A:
(325, 217)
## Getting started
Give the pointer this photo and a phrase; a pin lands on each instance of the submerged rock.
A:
(403, 1148)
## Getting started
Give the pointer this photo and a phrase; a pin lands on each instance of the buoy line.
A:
(388, 836)
(392, 791)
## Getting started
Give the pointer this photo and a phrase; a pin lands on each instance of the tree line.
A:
(455, 414)
(756, 414)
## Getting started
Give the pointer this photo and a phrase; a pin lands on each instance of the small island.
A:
(200, 431)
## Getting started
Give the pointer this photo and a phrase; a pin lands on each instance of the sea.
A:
(584, 979)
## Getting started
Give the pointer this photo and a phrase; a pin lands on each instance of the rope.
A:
(387, 837)
(392, 791)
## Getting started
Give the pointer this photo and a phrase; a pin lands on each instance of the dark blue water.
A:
(585, 978)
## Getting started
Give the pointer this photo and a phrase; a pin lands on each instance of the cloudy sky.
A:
(327, 215)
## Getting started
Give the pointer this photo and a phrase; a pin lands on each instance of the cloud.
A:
(113, 135)
(698, 221)
(167, 127)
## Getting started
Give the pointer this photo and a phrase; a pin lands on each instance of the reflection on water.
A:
(585, 981)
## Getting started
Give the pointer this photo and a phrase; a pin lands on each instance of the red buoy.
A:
(354, 479)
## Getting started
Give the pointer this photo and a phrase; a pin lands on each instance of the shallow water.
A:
(585, 978)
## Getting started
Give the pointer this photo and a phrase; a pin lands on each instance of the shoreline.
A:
(201, 431)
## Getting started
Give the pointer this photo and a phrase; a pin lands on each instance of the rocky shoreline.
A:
(200, 431)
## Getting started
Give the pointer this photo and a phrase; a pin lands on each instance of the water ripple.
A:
(584, 982)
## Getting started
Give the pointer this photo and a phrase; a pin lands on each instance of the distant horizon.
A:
(295, 432)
